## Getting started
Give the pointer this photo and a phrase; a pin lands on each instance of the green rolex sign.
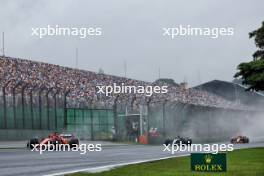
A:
(208, 162)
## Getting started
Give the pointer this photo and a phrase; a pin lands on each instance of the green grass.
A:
(244, 162)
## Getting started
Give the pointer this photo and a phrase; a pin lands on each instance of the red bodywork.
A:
(56, 137)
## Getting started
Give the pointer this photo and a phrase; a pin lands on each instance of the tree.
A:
(252, 73)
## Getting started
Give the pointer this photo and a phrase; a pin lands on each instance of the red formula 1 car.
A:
(55, 138)
(239, 140)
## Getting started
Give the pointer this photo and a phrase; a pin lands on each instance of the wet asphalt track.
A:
(24, 162)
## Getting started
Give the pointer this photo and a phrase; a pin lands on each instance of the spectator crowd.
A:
(80, 85)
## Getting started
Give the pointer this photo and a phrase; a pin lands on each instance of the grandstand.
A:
(81, 85)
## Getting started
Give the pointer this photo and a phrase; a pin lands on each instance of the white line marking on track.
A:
(111, 166)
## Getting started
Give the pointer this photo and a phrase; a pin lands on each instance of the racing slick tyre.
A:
(232, 141)
(54, 144)
(73, 143)
(32, 142)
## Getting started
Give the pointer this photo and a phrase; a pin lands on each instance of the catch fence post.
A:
(92, 131)
(23, 104)
(4, 101)
(48, 110)
(55, 112)
(164, 117)
(116, 120)
(31, 106)
(40, 107)
(148, 119)
(14, 103)
(65, 109)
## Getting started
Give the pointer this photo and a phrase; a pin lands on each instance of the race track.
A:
(24, 162)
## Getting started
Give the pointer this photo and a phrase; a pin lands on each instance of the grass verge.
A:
(244, 162)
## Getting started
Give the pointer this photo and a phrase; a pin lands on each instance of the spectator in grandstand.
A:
(18, 74)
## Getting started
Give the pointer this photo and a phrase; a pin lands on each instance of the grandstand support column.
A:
(4, 101)
(14, 103)
(66, 92)
(23, 104)
(116, 125)
(48, 110)
(40, 106)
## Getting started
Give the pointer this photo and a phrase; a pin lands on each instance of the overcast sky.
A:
(132, 31)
